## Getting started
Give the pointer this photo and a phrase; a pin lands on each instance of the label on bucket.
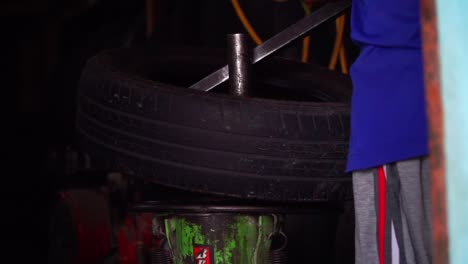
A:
(202, 254)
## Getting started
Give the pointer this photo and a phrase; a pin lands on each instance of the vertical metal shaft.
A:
(239, 64)
(437, 144)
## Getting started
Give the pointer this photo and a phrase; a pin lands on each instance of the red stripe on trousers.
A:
(382, 191)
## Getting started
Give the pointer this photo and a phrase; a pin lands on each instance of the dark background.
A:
(44, 45)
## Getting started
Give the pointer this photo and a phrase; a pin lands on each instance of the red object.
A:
(144, 227)
(202, 254)
(126, 240)
(90, 215)
(382, 192)
(136, 230)
(91, 221)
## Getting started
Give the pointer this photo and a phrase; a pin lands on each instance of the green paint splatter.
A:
(225, 255)
(218, 255)
(186, 235)
(230, 246)
(243, 239)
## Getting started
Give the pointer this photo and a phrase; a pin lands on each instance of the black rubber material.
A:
(209, 142)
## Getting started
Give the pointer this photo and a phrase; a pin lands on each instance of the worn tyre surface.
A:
(212, 142)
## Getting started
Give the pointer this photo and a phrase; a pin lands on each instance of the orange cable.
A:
(245, 22)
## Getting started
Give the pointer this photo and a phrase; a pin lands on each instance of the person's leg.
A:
(364, 188)
(393, 227)
(415, 210)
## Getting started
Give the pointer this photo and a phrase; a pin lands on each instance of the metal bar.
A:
(453, 36)
(239, 64)
(278, 41)
(436, 131)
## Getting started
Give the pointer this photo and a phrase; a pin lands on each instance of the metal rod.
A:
(239, 64)
(436, 131)
(278, 41)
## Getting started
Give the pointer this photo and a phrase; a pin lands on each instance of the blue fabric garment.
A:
(388, 117)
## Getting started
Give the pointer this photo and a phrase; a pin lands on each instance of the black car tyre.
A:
(130, 119)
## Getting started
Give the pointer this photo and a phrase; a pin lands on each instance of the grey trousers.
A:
(407, 231)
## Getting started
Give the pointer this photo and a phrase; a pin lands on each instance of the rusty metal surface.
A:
(436, 130)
